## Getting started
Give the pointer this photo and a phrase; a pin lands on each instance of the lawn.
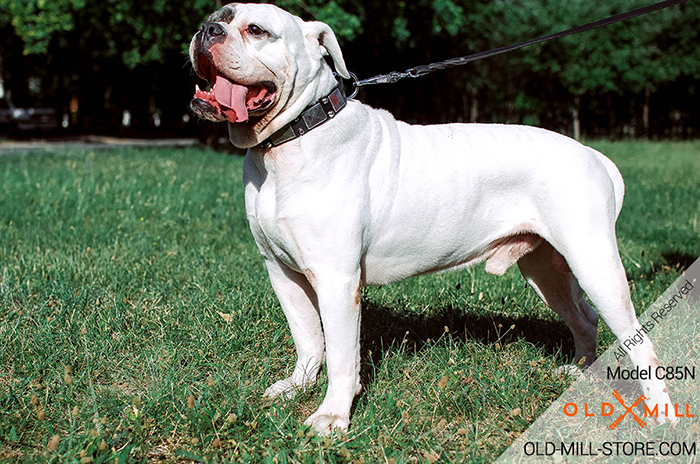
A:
(137, 322)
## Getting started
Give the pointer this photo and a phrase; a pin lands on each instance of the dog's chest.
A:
(270, 226)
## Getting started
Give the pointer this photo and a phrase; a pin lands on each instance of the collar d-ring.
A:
(354, 83)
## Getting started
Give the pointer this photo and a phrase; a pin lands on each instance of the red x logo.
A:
(628, 410)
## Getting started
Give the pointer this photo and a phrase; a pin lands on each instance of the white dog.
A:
(341, 195)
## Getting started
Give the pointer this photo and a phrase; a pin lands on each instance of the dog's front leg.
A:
(300, 307)
(339, 302)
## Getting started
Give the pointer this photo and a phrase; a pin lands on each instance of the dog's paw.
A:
(325, 424)
(285, 388)
(569, 370)
(661, 420)
(666, 413)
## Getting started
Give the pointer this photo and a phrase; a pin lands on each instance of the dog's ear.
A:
(321, 39)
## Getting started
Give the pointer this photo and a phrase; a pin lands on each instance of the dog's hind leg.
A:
(299, 304)
(601, 275)
(546, 271)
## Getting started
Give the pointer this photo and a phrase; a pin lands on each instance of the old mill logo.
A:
(607, 410)
(628, 410)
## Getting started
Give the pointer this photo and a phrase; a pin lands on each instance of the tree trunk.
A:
(2, 80)
(612, 118)
(462, 116)
(577, 118)
(645, 114)
(474, 108)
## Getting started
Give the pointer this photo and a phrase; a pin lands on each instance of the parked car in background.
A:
(26, 119)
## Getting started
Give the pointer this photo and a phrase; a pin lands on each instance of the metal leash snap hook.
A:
(414, 72)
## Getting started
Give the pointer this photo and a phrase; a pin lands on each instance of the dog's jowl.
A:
(341, 195)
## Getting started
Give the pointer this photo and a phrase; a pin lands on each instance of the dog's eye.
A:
(254, 29)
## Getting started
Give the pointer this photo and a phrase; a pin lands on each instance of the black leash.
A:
(419, 71)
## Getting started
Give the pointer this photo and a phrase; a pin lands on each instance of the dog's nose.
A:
(213, 32)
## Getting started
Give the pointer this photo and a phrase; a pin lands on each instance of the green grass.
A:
(137, 323)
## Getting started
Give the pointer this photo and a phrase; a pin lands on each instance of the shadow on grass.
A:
(674, 259)
(683, 260)
(383, 328)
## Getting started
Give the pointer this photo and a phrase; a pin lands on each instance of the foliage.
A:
(67, 42)
(37, 21)
(623, 57)
(141, 31)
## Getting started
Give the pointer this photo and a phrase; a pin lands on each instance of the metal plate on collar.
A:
(280, 137)
(337, 100)
(314, 116)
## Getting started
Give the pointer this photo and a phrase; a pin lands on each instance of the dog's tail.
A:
(615, 177)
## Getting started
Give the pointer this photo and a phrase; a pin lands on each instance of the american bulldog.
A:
(340, 195)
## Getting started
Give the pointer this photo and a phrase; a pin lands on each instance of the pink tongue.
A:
(233, 97)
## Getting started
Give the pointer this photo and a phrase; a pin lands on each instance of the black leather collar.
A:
(322, 111)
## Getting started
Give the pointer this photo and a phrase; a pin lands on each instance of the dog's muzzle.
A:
(226, 99)
(211, 33)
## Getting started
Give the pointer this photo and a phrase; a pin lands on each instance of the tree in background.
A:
(629, 60)
(109, 56)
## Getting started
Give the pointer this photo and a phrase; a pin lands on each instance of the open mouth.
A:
(234, 101)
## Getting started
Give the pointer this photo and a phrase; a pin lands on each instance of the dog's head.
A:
(264, 66)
